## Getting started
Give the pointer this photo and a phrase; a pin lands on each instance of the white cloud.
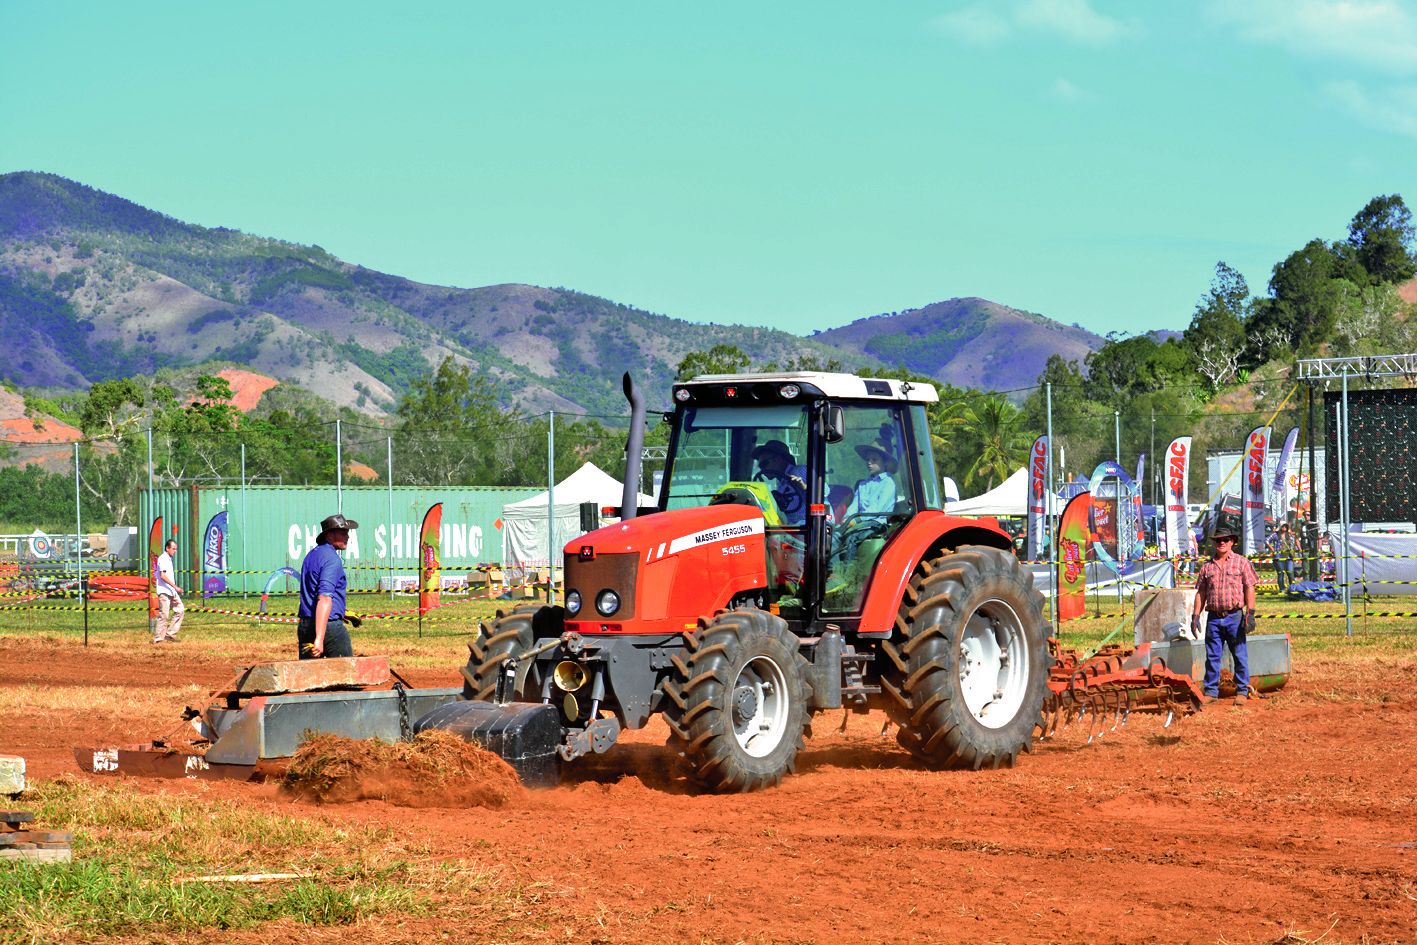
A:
(977, 25)
(1394, 110)
(1376, 34)
(1073, 20)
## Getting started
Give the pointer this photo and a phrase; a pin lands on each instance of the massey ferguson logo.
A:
(1040, 461)
(1176, 469)
(1255, 464)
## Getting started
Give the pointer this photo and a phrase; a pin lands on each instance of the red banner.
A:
(430, 568)
(1073, 542)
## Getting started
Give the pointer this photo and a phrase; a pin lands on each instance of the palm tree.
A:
(1003, 444)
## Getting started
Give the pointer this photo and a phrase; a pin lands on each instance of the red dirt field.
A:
(1286, 820)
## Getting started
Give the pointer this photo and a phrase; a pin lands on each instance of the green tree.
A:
(1216, 335)
(451, 429)
(720, 359)
(1302, 307)
(1381, 235)
(1003, 443)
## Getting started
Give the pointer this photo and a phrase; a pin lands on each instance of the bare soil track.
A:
(1287, 817)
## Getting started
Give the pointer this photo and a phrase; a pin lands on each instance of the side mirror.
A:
(834, 424)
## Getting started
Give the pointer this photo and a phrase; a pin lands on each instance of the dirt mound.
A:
(436, 769)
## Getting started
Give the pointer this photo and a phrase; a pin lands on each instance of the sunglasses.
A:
(1224, 538)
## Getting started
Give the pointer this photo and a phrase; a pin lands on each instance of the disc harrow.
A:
(1110, 685)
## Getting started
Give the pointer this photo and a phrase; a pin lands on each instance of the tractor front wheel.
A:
(500, 639)
(738, 701)
(967, 669)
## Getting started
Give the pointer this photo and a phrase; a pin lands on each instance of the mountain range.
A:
(93, 286)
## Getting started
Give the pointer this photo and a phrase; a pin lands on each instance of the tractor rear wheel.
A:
(499, 639)
(967, 669)
(737, 705)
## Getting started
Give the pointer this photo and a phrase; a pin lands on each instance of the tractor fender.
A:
(925, 536)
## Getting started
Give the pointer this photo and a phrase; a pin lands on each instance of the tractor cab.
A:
(837, 464)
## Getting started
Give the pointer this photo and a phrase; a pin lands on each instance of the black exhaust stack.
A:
(634, 446)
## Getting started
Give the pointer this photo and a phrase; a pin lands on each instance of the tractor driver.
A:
(777, 466)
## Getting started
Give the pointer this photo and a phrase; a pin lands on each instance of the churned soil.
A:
(1286, 820)
(436, 769)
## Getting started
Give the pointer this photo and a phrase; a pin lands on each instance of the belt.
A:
(1223, 613)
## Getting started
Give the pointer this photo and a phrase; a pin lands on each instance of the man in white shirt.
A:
(169, 597)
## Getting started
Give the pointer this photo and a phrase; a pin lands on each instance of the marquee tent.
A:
(1008, 498)
(524, 523)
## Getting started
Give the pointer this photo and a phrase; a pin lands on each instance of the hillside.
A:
(966, 342)
(93, 286)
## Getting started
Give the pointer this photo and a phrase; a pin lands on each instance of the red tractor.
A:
(799, 558)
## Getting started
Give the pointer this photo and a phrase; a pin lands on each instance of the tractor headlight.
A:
(607, 602)
(573, 603)
(682, 395)
(789, 391)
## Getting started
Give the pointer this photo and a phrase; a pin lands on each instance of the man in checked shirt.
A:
(1225, 590)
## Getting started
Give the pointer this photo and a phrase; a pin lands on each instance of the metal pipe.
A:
(1347, 513)
(79, 539)
(245, 560)
(634, 448)
(551, 506)
(1049, 509)
(1117, 424)
(339, 470)
(1311, 546)
(389, 445)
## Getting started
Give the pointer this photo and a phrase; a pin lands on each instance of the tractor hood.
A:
(718, 548)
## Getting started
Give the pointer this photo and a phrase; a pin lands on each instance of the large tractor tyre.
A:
(966, 671)
(737, 701)
(497, 640)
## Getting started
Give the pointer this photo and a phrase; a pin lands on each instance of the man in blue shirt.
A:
(875, 495)
(789, 480)
(320, 631)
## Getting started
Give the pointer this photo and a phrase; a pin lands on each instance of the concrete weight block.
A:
(353, 672)
(12, 774)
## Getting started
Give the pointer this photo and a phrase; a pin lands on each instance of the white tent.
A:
(1008, 498)
(524, 523)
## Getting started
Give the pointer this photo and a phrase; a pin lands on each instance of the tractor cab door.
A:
(759, 455)
(870, 493)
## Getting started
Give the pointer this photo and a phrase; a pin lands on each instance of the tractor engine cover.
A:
(525, 735)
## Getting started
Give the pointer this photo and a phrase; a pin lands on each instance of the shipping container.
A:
(272, 527)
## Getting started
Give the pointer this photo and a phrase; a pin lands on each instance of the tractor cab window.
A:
(756, 456)
(869, 496)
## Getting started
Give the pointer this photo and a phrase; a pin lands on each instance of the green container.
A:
(270, 527)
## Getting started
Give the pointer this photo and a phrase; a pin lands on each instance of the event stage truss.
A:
(1377, 365)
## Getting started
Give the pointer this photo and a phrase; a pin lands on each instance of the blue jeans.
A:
(337, 642)
(1284, 573)
(1221, 632)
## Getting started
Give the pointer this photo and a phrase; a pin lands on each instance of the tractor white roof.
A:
(833, 385)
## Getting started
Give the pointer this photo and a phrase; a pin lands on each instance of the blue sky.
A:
(797, 165)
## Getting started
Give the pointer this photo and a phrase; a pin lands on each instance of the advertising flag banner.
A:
(1279, 488)
(154, 549)
(1141, 468)
(214, 556)
(1178, 477)
(1072, 557)
(430, 574)
(1037, 491)
(1115, 518)
(1253, 490)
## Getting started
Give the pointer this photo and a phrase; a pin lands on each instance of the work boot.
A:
(1207, 699)
(1242, 699)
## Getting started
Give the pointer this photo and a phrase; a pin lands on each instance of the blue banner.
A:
(214, 556)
